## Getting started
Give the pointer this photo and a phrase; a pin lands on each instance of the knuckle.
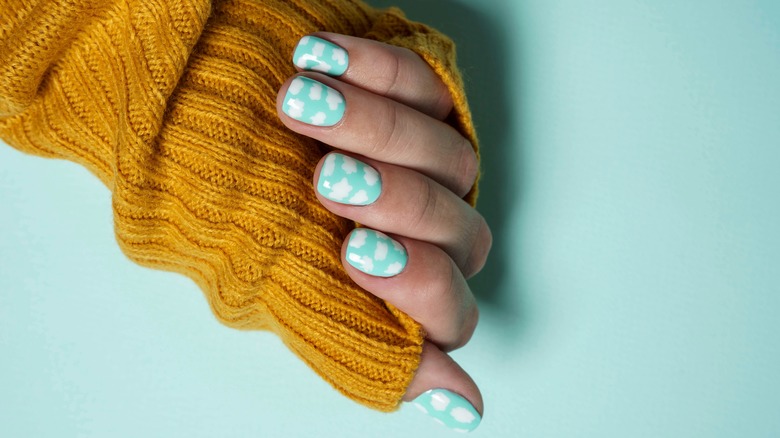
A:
(426, 206)
(481, 243)
(467, 327)
(443, 104)
(405, 73)
(382, 142)
(389, 63)
(451, 307)
(440, 283)
(465, 166)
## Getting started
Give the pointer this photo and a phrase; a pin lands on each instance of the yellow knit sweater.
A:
(171, 104)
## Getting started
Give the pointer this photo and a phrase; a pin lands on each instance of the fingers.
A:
(358, 121)
(416, 277)
(401, 201)
(441, 389)
(402, 171)
(393, 72)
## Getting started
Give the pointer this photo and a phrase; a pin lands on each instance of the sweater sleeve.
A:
(171, 104)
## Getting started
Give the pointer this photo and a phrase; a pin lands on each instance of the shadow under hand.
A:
(482, 50)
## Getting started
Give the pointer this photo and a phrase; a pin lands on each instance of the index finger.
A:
(390, 71)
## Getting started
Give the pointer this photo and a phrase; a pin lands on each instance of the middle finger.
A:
(352, 119)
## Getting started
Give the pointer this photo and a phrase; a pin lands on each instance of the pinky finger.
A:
(444, 391)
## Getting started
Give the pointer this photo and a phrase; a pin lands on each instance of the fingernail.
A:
(375, 253)
(317, 54)
(313, 102)
(348, 181)
(448, 409)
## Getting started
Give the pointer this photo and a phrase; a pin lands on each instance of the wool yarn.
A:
(171, 104)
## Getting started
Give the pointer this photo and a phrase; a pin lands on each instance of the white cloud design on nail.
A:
(367, 263)
(340, 190)
(462, 415)
(318, 119)
(296, 86)
(329, 166)
(359, 197)
(319, 65)
(381, 251)
(358, 238)
(334, 99)
(356, 258)
(318, 49)
(439, 401)
(370, 175)
(315, 93)
(322, 66)
(394, 268)
(340, 56)
(295, 108)
(349, 166)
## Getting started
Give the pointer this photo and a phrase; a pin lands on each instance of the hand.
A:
(400, 170)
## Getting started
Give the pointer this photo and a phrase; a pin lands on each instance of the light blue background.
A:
(631, 152)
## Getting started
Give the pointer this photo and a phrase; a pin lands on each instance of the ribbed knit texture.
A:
(171, 104)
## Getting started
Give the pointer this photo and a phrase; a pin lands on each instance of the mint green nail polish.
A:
(375, 253)
(313, 102)
(449, 409)
(317, 54)
(348, 181)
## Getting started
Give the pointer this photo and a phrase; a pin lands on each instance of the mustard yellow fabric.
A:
(171, 104)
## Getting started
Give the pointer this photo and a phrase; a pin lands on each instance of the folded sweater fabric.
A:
(171, 104)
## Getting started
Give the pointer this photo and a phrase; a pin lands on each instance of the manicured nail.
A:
(316, 54)
(348, 181)
(375, 253)
(313, 102)
(448, 409)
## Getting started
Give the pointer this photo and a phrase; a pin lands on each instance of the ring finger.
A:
(353, 119)
(402, 201)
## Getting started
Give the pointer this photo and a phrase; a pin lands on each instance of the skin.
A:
(394, 122)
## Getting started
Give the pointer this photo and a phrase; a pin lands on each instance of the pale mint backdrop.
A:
(631, 155)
